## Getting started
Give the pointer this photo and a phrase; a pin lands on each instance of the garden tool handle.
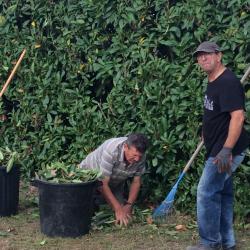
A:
(193, 156)
(244, 77)
(12, 73)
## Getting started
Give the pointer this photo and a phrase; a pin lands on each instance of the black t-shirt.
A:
(224, 95)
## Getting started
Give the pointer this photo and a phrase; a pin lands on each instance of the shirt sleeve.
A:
(232, 97)
(106, 163)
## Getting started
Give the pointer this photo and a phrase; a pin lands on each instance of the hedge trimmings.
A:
(59, 172)
(7, 158)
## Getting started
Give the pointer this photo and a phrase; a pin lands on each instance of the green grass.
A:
(22, 232)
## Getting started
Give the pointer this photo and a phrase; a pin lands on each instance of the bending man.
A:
(119, 159)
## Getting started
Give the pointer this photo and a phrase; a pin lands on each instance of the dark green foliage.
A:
(98, 69)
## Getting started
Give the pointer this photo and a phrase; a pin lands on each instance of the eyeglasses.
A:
(202, 55)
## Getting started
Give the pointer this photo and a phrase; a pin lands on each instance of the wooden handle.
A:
(193, 156)
(244, 77)
(12, 73)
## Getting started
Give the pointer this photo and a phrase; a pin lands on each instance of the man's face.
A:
(209, 61)
(131, 154)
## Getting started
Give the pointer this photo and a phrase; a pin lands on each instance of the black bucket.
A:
(65, 209)
(9, 191)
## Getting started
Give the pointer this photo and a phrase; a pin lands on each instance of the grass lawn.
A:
(22, 232)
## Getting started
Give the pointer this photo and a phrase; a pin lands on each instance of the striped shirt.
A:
(109, 159)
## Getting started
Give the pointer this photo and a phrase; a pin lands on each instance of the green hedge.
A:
(98, 69)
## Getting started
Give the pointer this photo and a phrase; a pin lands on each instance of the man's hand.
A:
(122, 217)
(223, 160)
(127, 208)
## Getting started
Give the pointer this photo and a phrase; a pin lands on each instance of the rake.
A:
(12, 73)
(164, 209)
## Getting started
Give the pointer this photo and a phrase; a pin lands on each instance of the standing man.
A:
(119, 159)
(225, 140)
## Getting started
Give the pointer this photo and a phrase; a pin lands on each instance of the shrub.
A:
(98, 69)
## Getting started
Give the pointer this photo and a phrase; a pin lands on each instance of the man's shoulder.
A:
(113, 143)
(231, 77)
(116, 139)
(227, 81)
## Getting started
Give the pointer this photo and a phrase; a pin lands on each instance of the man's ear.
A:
(219, 56)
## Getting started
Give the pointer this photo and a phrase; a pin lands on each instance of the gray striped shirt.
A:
(109, 159)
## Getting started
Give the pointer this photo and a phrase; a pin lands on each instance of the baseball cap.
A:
(207, 47)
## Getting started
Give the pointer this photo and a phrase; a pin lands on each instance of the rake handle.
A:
(244, 77)
(193, 157)
(12, 73)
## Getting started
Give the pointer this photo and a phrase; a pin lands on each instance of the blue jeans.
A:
(215, 205)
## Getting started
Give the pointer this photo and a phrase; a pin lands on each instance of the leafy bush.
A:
(99, 69)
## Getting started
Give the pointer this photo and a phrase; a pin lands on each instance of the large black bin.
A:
(65, 209)
(9, 191)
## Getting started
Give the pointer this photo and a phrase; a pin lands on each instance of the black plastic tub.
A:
(9, 191)
(65, 209)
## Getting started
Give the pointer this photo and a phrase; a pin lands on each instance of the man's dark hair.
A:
(139, 141)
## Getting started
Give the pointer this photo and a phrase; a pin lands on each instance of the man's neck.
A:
(216, 73)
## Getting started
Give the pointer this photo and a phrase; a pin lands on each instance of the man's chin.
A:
(131, 162)
(207, 69)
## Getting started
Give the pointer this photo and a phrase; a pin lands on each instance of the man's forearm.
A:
(134, 190)
(109, 197)
(235, 127)
(121, 215)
